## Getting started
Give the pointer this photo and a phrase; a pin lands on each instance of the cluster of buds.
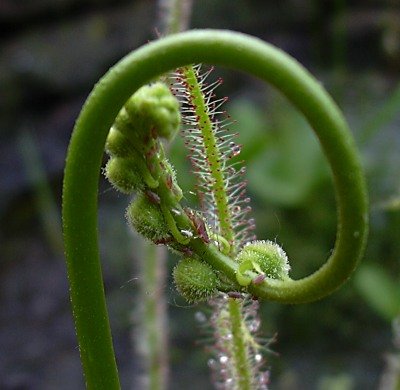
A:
(137, 162)
(138, 165)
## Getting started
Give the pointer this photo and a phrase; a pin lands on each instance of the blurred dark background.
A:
(51, 54)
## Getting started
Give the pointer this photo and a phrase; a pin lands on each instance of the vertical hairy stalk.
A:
(174, 15)
(211, 146)
(153, 338)
(222, 196)
(239, 352)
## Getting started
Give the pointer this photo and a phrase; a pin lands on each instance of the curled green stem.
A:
(84, 159)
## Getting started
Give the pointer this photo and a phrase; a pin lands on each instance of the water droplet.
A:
(258, 357)
(236, 150)
(200, 317)
(187, 233)
(223, 359)
(228, 336)
(175, 211)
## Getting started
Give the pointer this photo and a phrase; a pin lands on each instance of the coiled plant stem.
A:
(85, 157)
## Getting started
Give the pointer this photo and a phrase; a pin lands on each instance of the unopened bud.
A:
(195, 280)
(147, 219)
(265, 257)
(124, 175)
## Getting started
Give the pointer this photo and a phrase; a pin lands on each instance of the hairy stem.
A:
(154, 315)
(212, 155)
(217, 182)
(240, 354)
(175, 15)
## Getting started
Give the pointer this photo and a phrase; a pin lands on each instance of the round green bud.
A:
(118, 145)
(133, 129)
(265, 257)
(146, 218)
(124, 175)
(154, 108)
(195, 280)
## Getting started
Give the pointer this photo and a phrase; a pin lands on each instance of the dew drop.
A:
(228, 337)
(223, 359)
(236, 150)
(258, 357)
(200, 317)
(187, 233)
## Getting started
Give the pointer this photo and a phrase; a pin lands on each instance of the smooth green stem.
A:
(84, 159)
(240, 353)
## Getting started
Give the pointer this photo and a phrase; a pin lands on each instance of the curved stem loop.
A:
(85, 153)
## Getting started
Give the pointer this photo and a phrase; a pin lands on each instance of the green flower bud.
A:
(118, 145)
(124, 175)
(147, 219)
(133, 129)
(154, 108)
(264, 257)
(195, 280)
